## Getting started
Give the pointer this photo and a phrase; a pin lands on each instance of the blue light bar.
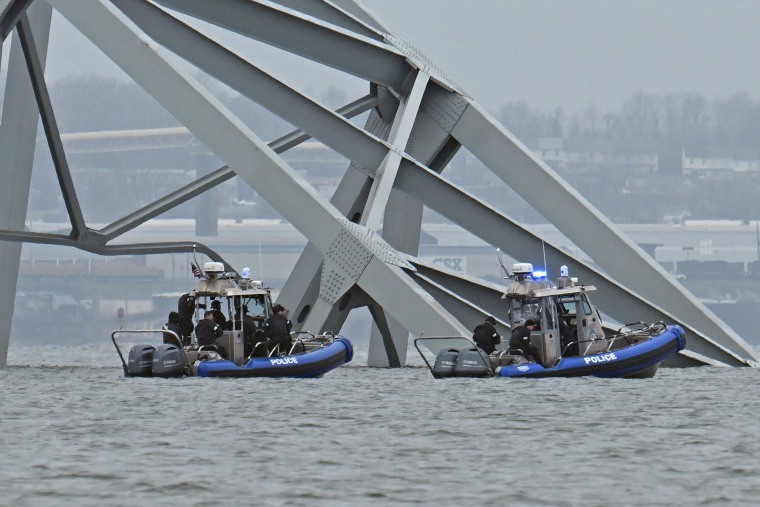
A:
(537, 275)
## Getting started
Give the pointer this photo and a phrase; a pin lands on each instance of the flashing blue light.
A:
(537, 275)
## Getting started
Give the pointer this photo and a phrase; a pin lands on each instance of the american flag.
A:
(196, 270)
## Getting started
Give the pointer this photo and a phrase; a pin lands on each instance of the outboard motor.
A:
(140, 361)
(445, 362)
(472, 362)
(168, 361)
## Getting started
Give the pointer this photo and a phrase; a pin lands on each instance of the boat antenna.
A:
(261, 267)
(543, 249)
(501, 263)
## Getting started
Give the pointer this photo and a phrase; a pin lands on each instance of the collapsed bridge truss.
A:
(417, 120)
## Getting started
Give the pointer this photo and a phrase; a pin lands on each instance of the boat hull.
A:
(303, 365)
(636, 361)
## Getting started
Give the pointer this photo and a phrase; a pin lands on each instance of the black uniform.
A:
(207, 332)
(520, 339)
(277, 328)
(219, 316)
(170, 338)
(486, 337)
(186, 309)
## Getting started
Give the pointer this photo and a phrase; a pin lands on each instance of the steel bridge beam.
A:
(18, 132)
(307, 37)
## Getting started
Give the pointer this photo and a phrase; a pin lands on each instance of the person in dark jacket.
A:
(485, 335)
(219, 317)
(249, 323)
(277, 329)
(207, 331)
(186, 310)
(173, 325)
(519, 341)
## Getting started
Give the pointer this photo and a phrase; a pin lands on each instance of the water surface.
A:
(75, 432)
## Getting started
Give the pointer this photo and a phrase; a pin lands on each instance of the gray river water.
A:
(73, 431)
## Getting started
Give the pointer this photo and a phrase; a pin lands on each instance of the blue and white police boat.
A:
(247, 351)
(568, 339)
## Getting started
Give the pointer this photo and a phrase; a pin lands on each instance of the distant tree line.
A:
(649, 124)
(666, 125)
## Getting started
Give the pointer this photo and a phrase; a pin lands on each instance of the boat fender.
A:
(680, 336)
(472, 362)
(168, 361)
(140, 362)
(445, 362)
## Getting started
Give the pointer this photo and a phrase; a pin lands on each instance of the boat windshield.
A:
(524, 309)
(257, 306)
(567, 305)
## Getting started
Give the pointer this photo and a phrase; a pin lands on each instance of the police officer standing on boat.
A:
(485, 335)
(277, 329)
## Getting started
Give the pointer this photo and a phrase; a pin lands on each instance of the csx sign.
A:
(454, 263)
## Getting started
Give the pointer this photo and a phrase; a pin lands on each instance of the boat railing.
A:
(633, 329)
(162, 332)
(327, 336)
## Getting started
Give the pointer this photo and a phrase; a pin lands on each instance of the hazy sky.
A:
(571, 53)
(555, 52)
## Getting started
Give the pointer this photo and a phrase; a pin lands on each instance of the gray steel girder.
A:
(307, 37)
(36, 73)
(331, 13)
(10, 13)
(18, 132)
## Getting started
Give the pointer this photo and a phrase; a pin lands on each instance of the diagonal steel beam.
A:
(50, 126)
(10, 14)
(378, 315)
(385, 175)
(18, 132)
(359, 12)
(304, 36)
(334, 15)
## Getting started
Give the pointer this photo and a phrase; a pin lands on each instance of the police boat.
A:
(247, 351)
(567, 340)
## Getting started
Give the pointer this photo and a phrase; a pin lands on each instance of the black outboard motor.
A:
(168, 361)
(472, 362)
(140, 361)
(445, 362)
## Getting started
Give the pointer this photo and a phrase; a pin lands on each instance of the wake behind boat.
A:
(242, 347)
(557, 332)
